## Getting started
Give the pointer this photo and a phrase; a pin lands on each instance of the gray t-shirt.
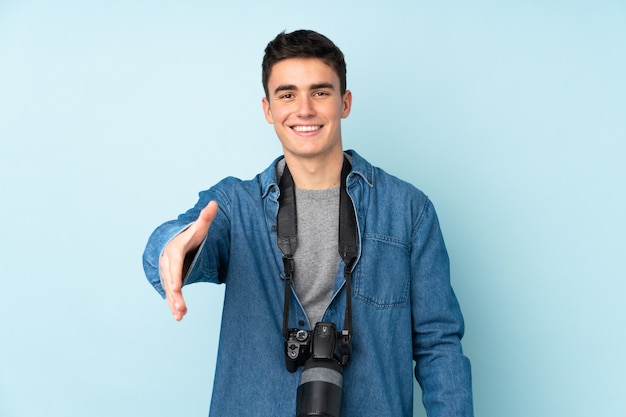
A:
(316, 257)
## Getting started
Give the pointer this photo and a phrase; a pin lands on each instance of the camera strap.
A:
(288, 243)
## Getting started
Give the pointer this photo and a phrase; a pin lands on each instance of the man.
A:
(402, 307)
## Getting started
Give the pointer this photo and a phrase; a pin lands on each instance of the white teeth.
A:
(306, 128)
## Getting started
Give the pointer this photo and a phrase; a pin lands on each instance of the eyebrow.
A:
(287, 87)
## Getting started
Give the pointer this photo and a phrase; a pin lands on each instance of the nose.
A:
(305, 107)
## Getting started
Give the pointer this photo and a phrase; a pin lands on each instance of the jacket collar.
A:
(360, 169)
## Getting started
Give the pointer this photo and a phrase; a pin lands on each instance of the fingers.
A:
(172, 262)
(171, 275)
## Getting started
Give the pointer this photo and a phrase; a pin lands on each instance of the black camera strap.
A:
(288, 243)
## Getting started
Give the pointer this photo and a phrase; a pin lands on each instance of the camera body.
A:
(322, 343)
(321, 353)
(297, 348)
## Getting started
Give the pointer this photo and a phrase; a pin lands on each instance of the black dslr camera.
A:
(323, 352)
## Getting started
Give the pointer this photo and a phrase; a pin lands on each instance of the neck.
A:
(316, 174)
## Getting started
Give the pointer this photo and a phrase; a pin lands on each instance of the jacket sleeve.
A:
(442, 370)
(206, 265)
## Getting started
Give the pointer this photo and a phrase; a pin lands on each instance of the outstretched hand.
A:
(177, 257)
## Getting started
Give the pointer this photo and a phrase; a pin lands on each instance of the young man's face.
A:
(306, 106)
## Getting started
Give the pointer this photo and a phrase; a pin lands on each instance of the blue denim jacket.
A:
(404, 308)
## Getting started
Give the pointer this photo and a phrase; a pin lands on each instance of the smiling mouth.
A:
(306, 128)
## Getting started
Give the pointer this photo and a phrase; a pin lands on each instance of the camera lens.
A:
(319, 393)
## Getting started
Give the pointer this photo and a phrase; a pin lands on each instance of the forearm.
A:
(442, 370)
(445, 379)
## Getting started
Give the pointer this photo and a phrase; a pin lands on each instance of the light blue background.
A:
(510, 115)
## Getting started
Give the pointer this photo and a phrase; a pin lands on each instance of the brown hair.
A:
(303, 44)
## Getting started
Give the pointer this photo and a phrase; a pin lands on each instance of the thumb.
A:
(206, 217)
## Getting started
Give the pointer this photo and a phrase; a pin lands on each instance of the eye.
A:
(286, 96)
(320, 94)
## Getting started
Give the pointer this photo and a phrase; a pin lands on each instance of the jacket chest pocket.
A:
(382, 277)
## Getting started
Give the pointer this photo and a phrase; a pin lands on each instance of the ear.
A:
(346, 104)
(267, 111)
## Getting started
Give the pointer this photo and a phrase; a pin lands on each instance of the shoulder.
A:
(232, 189)
(391, 206)
(383, 183)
